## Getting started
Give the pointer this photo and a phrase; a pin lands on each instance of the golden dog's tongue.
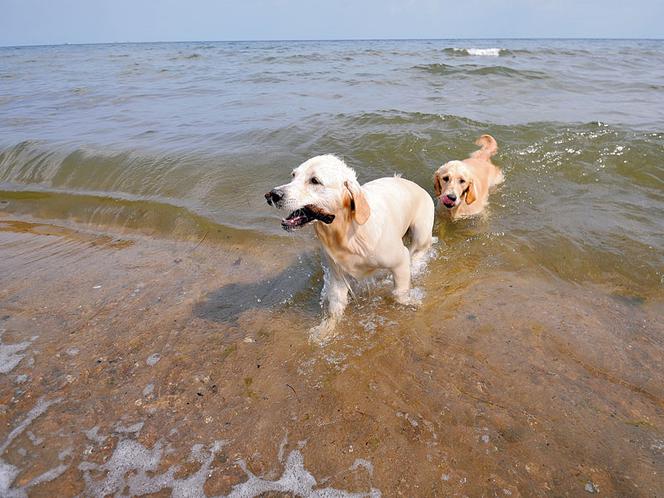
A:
(449, 203)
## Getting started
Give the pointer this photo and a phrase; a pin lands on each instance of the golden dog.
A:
(462, 187)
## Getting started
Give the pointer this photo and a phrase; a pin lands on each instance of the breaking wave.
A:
(478, 52)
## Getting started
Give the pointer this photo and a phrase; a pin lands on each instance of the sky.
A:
(46, 22)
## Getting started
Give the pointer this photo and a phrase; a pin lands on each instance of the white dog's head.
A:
(452, 183)
(322, 189)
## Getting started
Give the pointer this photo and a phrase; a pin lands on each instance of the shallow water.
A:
(183, 138)
(154, 316)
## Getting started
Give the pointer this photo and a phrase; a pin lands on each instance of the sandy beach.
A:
(140, 365)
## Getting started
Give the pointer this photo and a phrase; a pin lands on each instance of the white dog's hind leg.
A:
(420, 231)
(421, 238)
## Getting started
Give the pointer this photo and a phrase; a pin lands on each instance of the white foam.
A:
(8, 472)
(7, 475)
(282, 446)
(130, 429)
(296, 480)
(40, 407)
(365, 464)
(93, 436)
(49, 475)
(128, 456)
(20, 379)
(484, 52)
(132, 466)
(36, 441)
(153, 359)
(10, 354)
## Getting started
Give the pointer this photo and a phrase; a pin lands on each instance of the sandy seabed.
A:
(131, 365)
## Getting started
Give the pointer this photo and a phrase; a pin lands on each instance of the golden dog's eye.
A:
(315, 181)
(446, 178)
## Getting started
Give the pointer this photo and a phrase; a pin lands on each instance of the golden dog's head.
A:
(453, 183)
(322, 189)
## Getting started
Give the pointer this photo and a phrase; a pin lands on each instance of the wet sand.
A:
(135, 365)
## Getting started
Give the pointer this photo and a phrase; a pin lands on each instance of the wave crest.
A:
(477, 52)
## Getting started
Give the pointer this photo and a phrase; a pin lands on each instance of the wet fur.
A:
(470, 180)
(368, 228)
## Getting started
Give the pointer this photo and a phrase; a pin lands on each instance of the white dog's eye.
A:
(293, 174)
(315, 181)
(446, 179)
(461, 180)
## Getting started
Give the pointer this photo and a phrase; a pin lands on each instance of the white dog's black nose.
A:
(451, 197)
(274, 196)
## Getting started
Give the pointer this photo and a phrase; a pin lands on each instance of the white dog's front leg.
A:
(401, 275)
(337, 298)
(335, 295)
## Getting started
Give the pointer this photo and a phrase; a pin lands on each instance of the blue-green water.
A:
(179, 137)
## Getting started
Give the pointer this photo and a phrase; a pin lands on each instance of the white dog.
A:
(361, 228)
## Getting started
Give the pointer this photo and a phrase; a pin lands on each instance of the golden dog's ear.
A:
(436, 184)
(358, 203)
(471, 193)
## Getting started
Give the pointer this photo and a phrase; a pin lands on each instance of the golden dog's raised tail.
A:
(489, 148)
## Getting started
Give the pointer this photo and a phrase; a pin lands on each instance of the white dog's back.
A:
(397, 202)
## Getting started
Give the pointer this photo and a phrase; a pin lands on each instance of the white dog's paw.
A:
(324, 332)
(412, 298)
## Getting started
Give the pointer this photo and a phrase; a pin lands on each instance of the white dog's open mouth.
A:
(302, 216)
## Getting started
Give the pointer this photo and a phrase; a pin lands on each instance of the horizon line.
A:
(287, 40)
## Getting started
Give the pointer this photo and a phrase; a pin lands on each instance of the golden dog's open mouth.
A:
(447, 202)
(302, 216)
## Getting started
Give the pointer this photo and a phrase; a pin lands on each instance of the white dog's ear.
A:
(358, 203)
(471, 193)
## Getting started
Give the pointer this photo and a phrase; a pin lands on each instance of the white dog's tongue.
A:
(295, 219)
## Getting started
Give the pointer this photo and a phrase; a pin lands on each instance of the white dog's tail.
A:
(489, 147)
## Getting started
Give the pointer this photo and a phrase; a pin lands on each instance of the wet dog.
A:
(462, 187)
(360, 228)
